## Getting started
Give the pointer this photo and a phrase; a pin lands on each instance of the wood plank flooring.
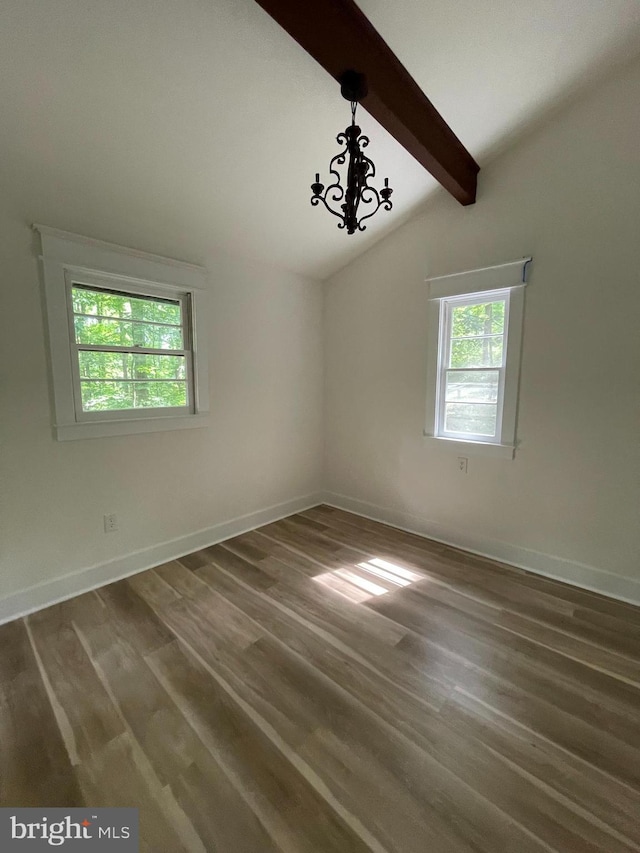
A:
(327, 683)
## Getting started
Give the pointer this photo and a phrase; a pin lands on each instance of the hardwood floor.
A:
(327, 683)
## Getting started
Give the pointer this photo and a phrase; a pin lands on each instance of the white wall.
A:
(568, 504)
(263, 448)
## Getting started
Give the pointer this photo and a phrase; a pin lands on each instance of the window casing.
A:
(127, 338)
(474, 342)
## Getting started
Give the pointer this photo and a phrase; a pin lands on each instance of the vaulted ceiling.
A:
(205, 121)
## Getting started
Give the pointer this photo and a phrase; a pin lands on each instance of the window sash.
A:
(184, 300)
(444, 349)
(129, 349)
(453, 370)
(125, 319)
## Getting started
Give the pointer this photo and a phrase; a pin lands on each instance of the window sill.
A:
(473, 448)
(103, 429)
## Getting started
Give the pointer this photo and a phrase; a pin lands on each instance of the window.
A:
(471, 369)
(123, 328)
(131, 353)
(475, 332)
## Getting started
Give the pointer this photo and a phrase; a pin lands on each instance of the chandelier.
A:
(360, 169)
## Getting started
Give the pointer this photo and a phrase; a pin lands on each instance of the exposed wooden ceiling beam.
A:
(339, 36)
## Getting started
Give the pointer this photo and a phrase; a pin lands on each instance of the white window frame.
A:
(69, 259)
(504, 281)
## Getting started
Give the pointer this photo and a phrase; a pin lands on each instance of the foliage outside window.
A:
(132, 350)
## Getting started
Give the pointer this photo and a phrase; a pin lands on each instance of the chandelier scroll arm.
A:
(316, 199)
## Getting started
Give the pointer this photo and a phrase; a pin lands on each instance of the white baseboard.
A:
(568, 571)
(59, 589)
(67, 586)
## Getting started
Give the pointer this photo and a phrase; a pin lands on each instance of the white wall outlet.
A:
(111, 523)
(463, 463)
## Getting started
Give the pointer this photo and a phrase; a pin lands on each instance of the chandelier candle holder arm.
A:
(360, 169)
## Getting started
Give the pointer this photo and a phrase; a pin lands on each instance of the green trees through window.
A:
(131, 350)
(477, 334)
(476, 344)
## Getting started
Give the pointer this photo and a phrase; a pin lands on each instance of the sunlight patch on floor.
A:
(368, 579)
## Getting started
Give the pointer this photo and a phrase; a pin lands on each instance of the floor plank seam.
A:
(186, 831)
(62, 720)
(635, 791)
(303, 768)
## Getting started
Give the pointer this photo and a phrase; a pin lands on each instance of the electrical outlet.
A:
(110, 523)
(463, 462)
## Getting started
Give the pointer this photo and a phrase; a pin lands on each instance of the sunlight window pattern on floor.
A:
(371, 578)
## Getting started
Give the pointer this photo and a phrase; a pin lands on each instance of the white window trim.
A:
(511, 276)
(66, 257)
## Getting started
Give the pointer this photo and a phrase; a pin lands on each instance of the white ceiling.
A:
(205, 121)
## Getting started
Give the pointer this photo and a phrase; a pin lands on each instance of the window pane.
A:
(477, 352)
(476, 419)
(113, 395)
(125, 365)
(470, 386)
(116, 305)
(126, 333)
(484, 319)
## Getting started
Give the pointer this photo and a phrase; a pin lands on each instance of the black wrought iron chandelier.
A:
(360, 169)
